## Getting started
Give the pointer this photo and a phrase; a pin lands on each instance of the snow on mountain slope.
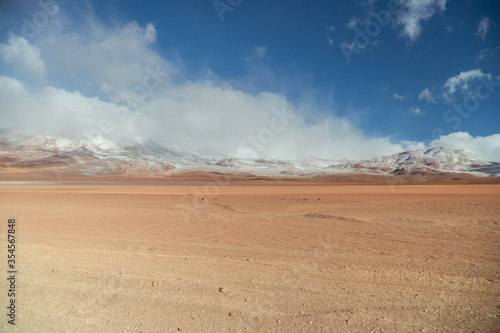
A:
(421, 162)
(100, 156)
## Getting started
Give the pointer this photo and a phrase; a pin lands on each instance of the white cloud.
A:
(463, 79)
(413, 145)
(416, 111)
(483, 27)
(487, 52)
(201, 115)
(398, 97)
(26, 57)
(330, 29)
(56, 111)
(207, 118)
(150, 33)
(426, 95)
(415, 13)
(486, 146)
(115, 62)
(353, 22)
(260, 51)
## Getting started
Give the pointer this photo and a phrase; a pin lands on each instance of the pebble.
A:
(221, 290)
(231, 314)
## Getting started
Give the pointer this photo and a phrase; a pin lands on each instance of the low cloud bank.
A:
(111, 81)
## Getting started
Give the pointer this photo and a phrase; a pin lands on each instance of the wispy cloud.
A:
(415, 13)
(353, 22)
(260, 51)
(416, 111)
(427, 96)
(465, 83)
(487, 52)
(483, 27)
(463, 79)
(330, 28)
(398, 97)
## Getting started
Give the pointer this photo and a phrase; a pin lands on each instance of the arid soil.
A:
(252, 257)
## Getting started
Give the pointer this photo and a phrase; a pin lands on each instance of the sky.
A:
(350, 79)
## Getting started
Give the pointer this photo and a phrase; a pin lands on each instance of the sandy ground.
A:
(289, 258)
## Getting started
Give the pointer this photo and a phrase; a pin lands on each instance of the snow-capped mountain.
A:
(423, 162)
(98, 156)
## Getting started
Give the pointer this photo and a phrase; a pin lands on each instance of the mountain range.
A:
(98, 156)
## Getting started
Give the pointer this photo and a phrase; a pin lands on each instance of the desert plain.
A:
(260, 256)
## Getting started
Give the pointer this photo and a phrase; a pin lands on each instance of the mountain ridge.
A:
(99, 156)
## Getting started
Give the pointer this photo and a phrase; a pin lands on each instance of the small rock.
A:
(221, 290)
(231, 314)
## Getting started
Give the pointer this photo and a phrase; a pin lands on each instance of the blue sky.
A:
(361, 78)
